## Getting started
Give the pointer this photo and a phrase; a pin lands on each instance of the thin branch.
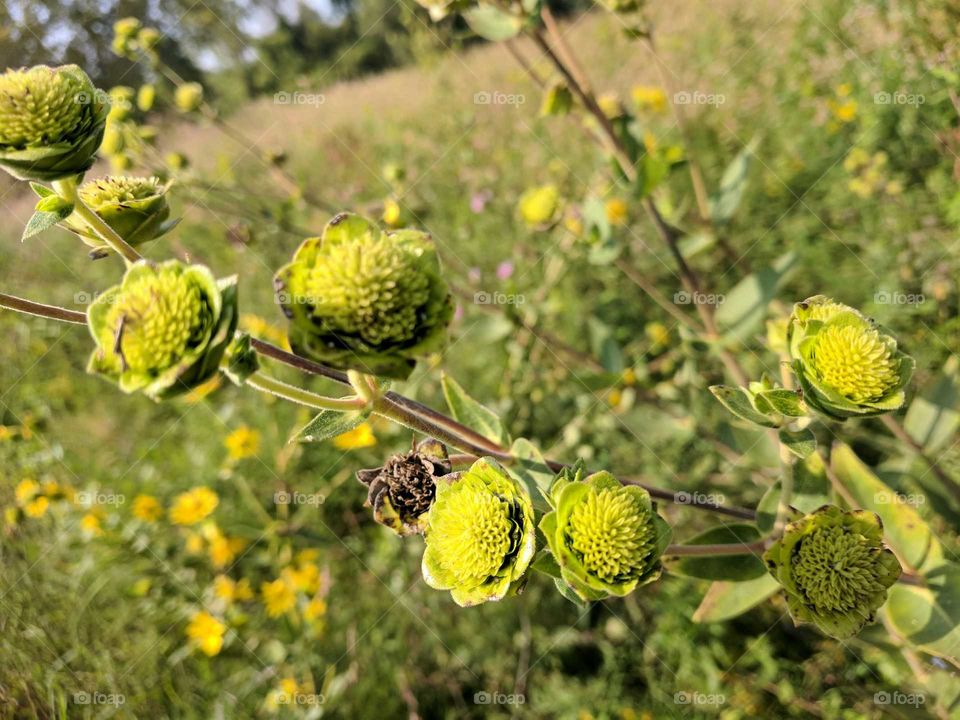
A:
(903, 436)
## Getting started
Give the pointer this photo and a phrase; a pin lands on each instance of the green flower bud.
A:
(539, 207)
(834, 569)
(145, 97)
(242, 360)
(121, 104)
(113, 140)
(362, 299)
(846, 364)
(176, 161)
(188, 97)
(164, 329)
(51, 122)
(135, 207)
(480, 534)
(148, 38)
(126, 27)
(402, 491)
(607, 538)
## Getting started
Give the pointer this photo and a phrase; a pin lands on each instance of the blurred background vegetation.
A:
(100, 596)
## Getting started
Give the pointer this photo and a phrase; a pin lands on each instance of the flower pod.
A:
(846, 364)
(834, 569)
(51, 122)
(480, 534)
(361, 299)
(606, 538)
(164, 329)
(134, 207)
(402, 491)
(145, 97)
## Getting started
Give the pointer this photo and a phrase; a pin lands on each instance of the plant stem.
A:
(903, 436)
(271, 385)
(752, 548)
(67, 188)
(395, 407)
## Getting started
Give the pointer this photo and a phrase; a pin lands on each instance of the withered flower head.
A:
(402, 491)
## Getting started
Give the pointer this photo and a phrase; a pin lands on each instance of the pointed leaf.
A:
(786, 402)
(330, 423)
(43, 220)
(726, 600)
(744, 308)
(492, 23)
(801, 443)
(929, 617)
(533, 471)
(724, 202)
(471, 413)
(737, 401)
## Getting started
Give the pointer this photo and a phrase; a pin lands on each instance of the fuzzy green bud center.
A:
(856, 361)
(612, 533)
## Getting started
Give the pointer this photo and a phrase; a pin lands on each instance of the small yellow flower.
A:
(7, 432)
(649, 98)
(25, 490)
(224, 550)
(573, 224)
(305, 578)
(650, 143)
(194, 544)
(36, 508)
(11, 516)
(206, 632)
(191, 507)
(845, 112)
(614, 398)
(616, 211)
(360, 437)
(391, 213)
(610, 105)
(244, 442)
(315, 610)
(658, 333)
(90, 524)
(231, 591)
(629, 377)
(278, 597)
(309, 555)
(147, 508)
(141, 587)
(844, 89)
(51, 488)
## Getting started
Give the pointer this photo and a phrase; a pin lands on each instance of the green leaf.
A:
(533, 471)
(50, 211)
(492, 23)
(745, 307)
(546, 564)
(604, 347)
(724, 202)
(801, 443)
(934, 415)
(471, 413)
(726, 600)
(330, 423)
(737, 400)
(929, 617)
(904, 529)
(595, 220)
(811, 490)
(42, 191)
(785, 402)
(736, 568)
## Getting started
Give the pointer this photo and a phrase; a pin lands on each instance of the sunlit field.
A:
(626, 388)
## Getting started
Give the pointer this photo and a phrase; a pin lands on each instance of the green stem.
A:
(67, 188)
(753, 548)
(786, 492)
(267, 384)
(364, 385)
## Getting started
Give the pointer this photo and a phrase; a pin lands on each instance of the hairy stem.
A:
(67, 188)
(751, 548)
(271, 385)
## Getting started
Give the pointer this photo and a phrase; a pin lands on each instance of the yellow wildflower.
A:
(259, 327)
(230, 590)
(616, 211)
(194, 544)
(191, 507)
(244, 442)
(649, 98)
(7, 432)
(224, 550)
(206, 632)
(360, 437)
(11, 516)
(629, 376)
(278, 597)
(25, 490)
(391, 213)
(147, 508)
(37, 507)
(305, 578)
(315, 610)
(658, 333)
(308, 555)
(610, 105)
(844, 89)
(845, 112)
(90, 524)
(201, 391)
(614, 398)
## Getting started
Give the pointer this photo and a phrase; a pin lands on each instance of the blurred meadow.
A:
(187, 560)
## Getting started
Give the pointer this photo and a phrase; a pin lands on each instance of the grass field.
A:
(98, 596)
